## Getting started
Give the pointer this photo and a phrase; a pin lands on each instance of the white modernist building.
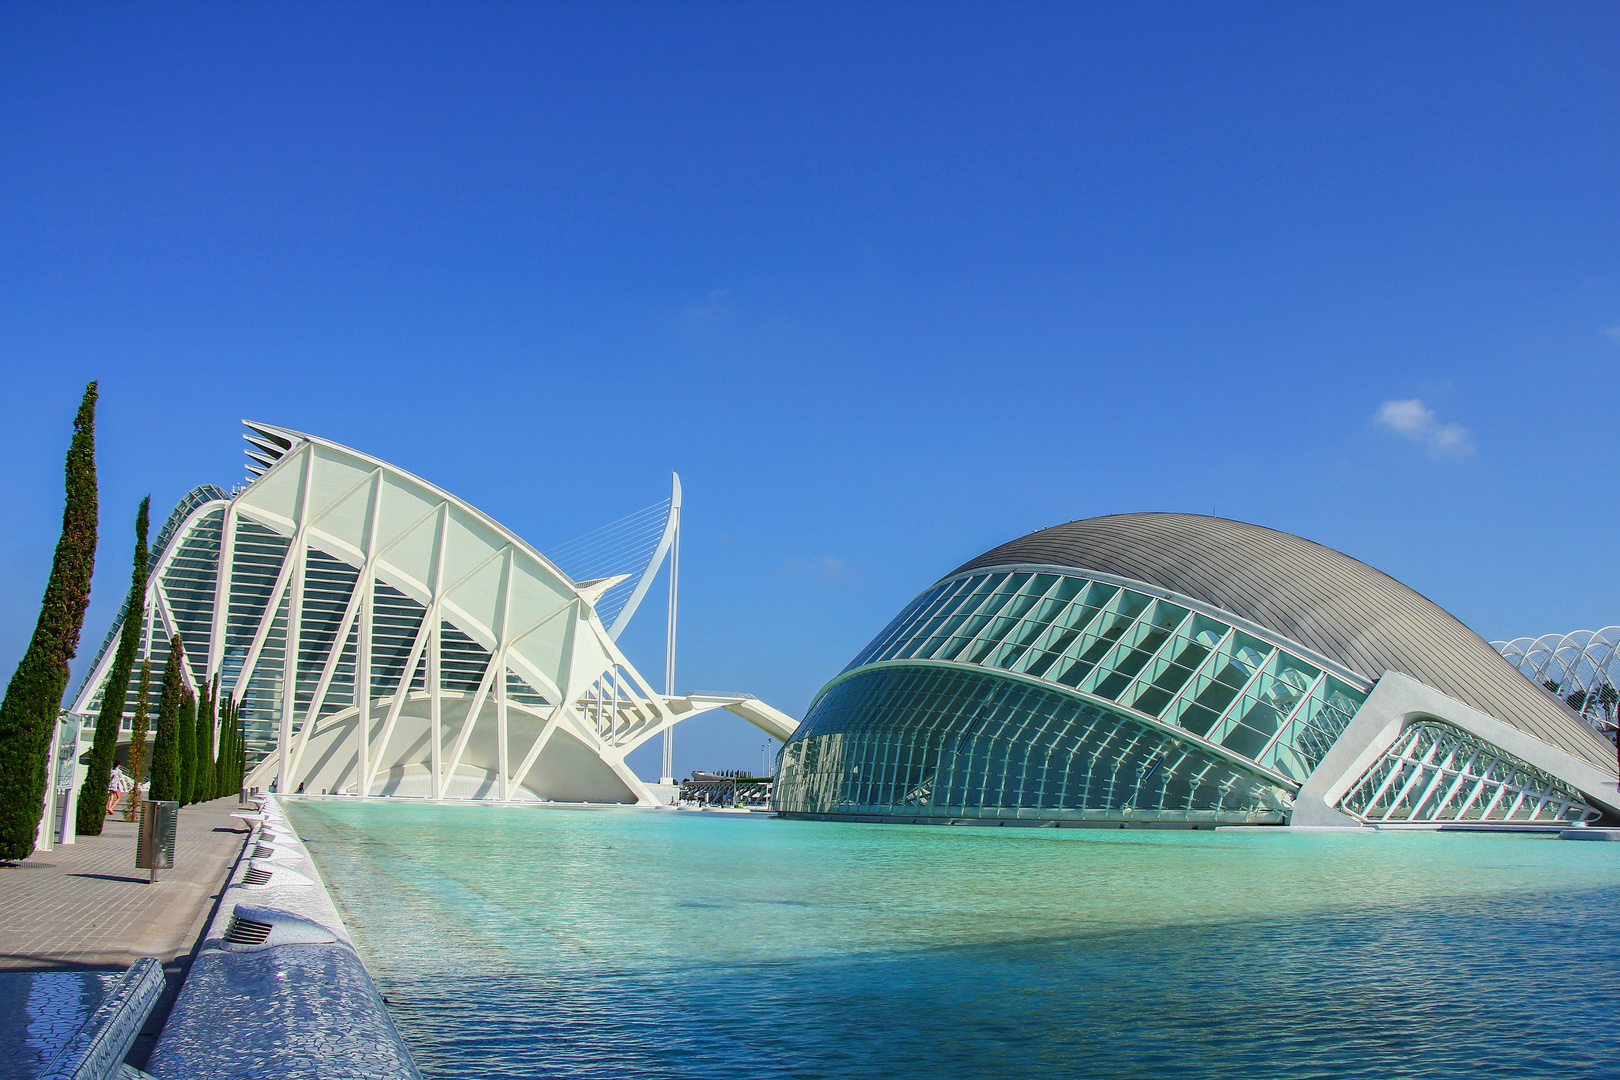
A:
(382, 637)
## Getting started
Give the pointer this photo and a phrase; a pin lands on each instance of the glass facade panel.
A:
(1097, 642)
(1161, 680)
(1099, 638)
(1316, 722)
(188, 584)
(921, 742)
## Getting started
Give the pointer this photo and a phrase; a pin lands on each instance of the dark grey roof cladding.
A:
(1321, 598)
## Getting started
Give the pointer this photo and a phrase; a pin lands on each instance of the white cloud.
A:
(1416, 421)
(1613, 333)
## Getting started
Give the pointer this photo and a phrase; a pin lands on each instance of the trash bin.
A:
(155, 849)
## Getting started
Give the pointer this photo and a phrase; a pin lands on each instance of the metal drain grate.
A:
(254, 928)
(256, 876)
(246, 931)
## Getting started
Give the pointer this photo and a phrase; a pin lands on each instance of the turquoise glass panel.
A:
(1186, 668)
(932, 742)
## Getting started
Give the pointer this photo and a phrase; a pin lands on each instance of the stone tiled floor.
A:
(85, 905)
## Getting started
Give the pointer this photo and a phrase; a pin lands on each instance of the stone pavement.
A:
(84, 906)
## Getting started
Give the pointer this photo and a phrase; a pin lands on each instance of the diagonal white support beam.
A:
(495, 667)
(533, 755)
(278, 592)
(318, 699)
(418, 644)
(295, 622)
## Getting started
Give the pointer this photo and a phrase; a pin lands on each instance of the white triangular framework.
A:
(1581, 669)
(382, 637)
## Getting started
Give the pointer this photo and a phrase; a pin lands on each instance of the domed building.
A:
(1177, 670)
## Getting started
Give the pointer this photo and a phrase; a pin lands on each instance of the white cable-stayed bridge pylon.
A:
(633, 549)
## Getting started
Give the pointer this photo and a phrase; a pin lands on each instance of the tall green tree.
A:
(206, 786)
(188, 746)
(137, 735)
(226, 765)
(238, 748)
(93, 798)
(166, 747)
(28, 712)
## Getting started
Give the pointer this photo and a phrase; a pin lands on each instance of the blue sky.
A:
(887, 284)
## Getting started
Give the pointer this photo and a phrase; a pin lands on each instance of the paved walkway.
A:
(84, 906)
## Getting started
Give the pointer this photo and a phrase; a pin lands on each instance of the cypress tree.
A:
(166, 747)
(93, 799)
(238, 748)
(222, 775)
(137, 735)
(206, 786)
(34, 695)
(227, 748)
(188, 745)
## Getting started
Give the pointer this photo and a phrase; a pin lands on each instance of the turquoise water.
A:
(522, 942)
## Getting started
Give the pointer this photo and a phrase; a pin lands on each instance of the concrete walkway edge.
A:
(254, 1008)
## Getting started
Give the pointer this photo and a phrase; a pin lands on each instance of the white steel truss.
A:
(383, 637)
(1582, 668)
(1438, 774)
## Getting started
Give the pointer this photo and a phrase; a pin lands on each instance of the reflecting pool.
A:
(524, 942)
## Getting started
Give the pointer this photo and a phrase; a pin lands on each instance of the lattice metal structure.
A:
(1165, 662)
(1437, 774)
(382, 637)
(963, 745)
(1580, 668)
(1194, 694)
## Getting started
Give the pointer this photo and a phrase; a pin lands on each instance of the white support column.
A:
(289, 672)
(500, 731)
(362, 686)
(295, 623)
(668, 775)
(222, 588)
(435, 641)
(363, 650)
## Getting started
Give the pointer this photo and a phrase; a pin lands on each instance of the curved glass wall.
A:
(928, 742)
(1149, 656)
